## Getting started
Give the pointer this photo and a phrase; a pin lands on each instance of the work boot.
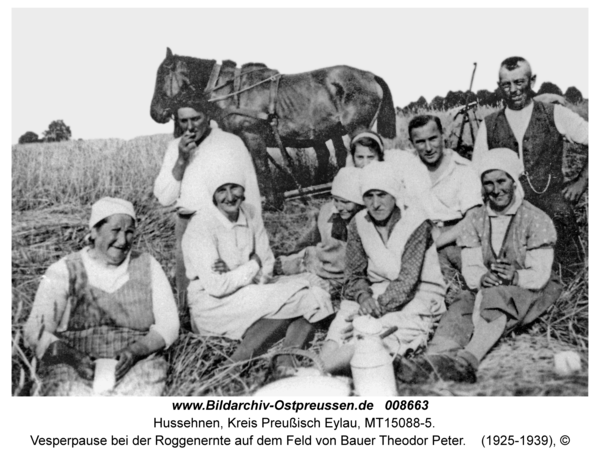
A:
(434, 367)
(412, 371)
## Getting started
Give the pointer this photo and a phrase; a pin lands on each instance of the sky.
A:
(95, 68)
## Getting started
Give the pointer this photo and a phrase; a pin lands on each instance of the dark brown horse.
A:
(310, 108)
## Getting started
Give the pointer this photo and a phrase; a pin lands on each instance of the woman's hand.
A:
(505, 271)
(370, 306)
(220, 267)
(126, 359)
(60, 352)
(137, 351)
(490, 280)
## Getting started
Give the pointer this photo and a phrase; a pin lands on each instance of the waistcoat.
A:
(542, 146)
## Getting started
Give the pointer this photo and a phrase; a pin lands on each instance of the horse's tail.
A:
(386, 119)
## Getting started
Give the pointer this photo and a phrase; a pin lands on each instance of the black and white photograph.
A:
(300, 229)
(334, 202)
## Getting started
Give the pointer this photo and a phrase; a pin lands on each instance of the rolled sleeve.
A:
(571, 125)
(538, 268)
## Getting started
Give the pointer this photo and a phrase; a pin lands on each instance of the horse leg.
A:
(322, 162)
(341, 153)
(256, 144)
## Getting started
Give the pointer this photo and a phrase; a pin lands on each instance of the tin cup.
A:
(104, 375)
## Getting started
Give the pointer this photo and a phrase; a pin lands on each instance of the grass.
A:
(54, 185)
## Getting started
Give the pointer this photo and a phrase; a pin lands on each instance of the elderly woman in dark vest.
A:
(104, 302)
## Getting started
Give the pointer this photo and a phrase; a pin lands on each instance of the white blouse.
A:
(211, 236)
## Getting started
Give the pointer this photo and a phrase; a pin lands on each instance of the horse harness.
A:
(270, 117)
(211, 87)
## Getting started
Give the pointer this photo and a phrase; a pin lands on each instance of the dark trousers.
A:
(569, 251)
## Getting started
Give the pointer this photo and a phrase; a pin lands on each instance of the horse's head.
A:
(175, 75)
(170, 79)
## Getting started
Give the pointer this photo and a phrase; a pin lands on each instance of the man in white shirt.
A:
(446, 184)
(535, 132)
(182, 178)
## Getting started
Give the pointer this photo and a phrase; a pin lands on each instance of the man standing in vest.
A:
(535, 132)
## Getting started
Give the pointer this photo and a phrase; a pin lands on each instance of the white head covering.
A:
(107, 206)
(346, 185)
(506, 160)
(222, 171)
(380, 176)
(368, 134)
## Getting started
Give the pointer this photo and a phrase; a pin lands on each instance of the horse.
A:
(268, 109)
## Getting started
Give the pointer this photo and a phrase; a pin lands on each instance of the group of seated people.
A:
(399, 227)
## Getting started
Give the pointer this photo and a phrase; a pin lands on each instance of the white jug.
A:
(372, 368)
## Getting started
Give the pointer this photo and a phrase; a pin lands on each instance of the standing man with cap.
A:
(182, 178)
(535, 132)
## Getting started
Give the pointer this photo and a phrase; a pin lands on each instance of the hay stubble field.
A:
(54, 185)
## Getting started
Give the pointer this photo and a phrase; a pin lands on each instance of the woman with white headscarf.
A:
(392, 271)
(104, 302)
(230, 265)
(507, 254)
(322, 251)
(367, 147)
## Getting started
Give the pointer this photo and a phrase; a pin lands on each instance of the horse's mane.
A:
(254, 64)
(199, 70)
